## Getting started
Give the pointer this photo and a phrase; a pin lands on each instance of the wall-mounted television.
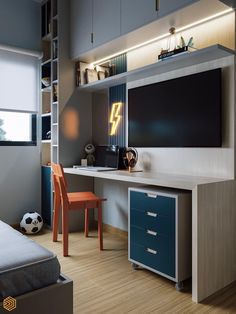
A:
(181, 112)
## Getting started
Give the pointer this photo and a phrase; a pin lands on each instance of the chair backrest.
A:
(59, 181)
(63, 192)
(58, 170)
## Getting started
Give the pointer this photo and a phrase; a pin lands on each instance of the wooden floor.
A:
(104, 282)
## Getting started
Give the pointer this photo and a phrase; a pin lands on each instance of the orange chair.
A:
(72, 201)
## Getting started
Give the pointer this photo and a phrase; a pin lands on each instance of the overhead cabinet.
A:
(81, 26)
(103, 27)
(94, 22)
(106, 21)
(136, 13)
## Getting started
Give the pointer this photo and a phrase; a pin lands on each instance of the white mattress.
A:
(24, 264)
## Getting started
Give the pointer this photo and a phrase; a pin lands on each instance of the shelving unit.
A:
(49, 117)
(173, 63)
(50, 69)
(55, 46)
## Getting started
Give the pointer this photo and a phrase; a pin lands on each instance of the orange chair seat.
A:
(82, 195)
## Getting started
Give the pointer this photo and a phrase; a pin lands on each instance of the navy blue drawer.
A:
(151, 238)
(151, 220)
(161, 259)
(163, 205)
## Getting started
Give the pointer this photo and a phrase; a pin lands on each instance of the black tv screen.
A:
(182, 112)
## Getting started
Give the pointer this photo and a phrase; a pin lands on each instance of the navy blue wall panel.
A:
(118, 94)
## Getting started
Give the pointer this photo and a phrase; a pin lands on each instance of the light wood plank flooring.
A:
(104, 282)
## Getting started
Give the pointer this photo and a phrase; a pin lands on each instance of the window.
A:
(17, 128)
(19, 96)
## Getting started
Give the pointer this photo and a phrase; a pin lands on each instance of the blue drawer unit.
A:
(160, 232)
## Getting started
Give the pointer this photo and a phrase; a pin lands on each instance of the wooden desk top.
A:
(148, 178)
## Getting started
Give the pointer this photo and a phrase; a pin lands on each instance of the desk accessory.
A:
(172, 48)
(130, 158)
(89, 150)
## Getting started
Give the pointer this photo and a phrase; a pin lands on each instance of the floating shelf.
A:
(47, 37)
(46, 62)
(172, 63)
(46, 141)
(46, 89)
(48, 114)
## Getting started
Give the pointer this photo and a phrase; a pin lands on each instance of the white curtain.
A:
(19, 81)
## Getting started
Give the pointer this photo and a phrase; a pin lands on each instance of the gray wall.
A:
(19, 166)
(72, 150)
(100, 118)
(20, 23)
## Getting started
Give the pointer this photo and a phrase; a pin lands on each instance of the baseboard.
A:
(16, 226)
(93, 224)
(114, 230)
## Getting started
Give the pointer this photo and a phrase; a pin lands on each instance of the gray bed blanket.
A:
(24, 264)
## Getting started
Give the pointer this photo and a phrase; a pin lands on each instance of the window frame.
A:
(33, 142)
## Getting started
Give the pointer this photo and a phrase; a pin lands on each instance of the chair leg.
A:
(100, 235)
(86, 222)
(55, 218)
(65, 230)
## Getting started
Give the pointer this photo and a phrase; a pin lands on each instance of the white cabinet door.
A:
(136, 13)
(106, 21)
(169, 6)
(81, 26)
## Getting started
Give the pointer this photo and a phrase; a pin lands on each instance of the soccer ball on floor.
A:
(31, 223)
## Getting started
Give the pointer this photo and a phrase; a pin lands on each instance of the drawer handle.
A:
(151, 214)
(153, 233)
(152, 195)
(157, 5)
(151, 251)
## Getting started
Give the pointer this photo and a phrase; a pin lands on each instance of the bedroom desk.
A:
(213, 228)
(147, 178)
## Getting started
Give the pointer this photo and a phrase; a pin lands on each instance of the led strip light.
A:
(180, 29)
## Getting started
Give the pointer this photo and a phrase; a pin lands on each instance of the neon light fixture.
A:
(115, 117)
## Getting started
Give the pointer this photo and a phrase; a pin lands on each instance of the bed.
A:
(31, 274)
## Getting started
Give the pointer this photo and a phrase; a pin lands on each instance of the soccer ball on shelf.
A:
(31, 223)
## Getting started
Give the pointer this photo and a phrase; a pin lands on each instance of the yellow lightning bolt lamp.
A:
(115, 117)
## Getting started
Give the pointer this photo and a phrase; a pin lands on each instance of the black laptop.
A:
(106, 158)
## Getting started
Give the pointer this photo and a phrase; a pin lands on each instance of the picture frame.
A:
(105, 69)
(80, 68)
(91, 75)
(101, 75)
